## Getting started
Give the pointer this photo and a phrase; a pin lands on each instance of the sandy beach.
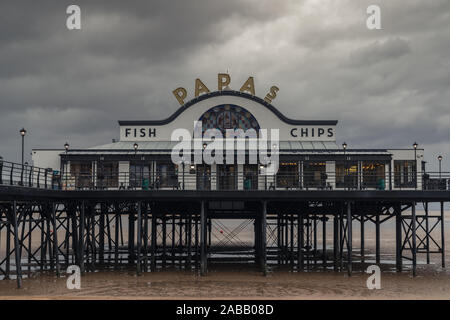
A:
(247, 282)
(234, 284)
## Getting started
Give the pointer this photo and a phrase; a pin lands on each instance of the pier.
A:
(44, 227)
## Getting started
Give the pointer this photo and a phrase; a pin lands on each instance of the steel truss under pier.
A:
(48, 234)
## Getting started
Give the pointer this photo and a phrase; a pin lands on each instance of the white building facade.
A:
(309, 157)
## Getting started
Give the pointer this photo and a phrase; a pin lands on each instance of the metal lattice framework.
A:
(95, 230)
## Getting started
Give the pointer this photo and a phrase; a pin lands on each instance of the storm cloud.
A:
(388, 88)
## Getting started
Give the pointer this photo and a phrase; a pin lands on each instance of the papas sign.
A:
(223, 80)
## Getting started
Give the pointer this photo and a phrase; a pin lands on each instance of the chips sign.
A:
(223, 81)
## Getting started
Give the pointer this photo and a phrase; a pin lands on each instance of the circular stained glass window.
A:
(228, 116)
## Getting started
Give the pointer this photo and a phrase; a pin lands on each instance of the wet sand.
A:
(246, 282)
(235, 283)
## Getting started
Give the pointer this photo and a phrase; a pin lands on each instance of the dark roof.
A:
(227, 93)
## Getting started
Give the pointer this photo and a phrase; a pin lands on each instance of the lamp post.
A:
(204, 166)
(63, 171)
(440, 161)
(183, 160)
(415, 145)
(261, 168)
(1, 170)
(135, 147)
(23, 132)
(344, 147)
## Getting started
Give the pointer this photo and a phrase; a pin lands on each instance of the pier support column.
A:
(116, 235)
(16, 246)
(55, 239)
(196, 241)
(139, 237)
(341, 238)
(349, 238)
(189, 244)
(81, 237)
(164, 241)
(362, 240)
(73, 216)
(377, 238)
(414, 245)
(300, 239)
(335, 242)
(153, 244)
(442, 235)
(144, 213)
(203, 226)
(263, 253)
(398, 237)
(292, 258)
(427, 231)
(131, 236)
(324, 241)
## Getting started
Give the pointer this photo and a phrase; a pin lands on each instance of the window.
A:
(374, 174)
(228, 116)
(139, 174)
(314, 175)
(287, 175)
(108, 174)
(203, 177)
(346, 174)
(82, 173)
(250, 177)
(166, 175)
(226, 177)
(404, 173)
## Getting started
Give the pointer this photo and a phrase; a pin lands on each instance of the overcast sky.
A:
(388, 88)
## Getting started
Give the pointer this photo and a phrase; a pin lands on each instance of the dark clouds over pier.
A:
(387, 88)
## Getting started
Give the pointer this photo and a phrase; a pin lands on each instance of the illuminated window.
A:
(346, 174)
(287, 175)
(314, 174)
(374, 174)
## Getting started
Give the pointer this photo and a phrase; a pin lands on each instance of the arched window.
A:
(228, 116)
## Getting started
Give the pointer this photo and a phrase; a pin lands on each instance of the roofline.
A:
(227, 93)
(160, 150)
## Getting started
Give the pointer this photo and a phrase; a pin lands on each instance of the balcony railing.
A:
(13, 174)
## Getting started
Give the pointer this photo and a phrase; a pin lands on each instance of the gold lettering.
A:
(200, 88)
(272, 94)
(249, 86)
(223, 80)
(180, 94)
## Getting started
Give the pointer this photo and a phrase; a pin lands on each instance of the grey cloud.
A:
(379, 51)
(386, 88)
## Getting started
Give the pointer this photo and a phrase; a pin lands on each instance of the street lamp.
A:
(136, 146)
(1, 170)
(23, 132)
(261, 168)
(205, 178)
(183, 160)
(415, 145)
(344, 147)
(440, 160)
(66, 146)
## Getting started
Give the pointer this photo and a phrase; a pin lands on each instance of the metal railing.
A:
(220, 181)
(14, 174)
